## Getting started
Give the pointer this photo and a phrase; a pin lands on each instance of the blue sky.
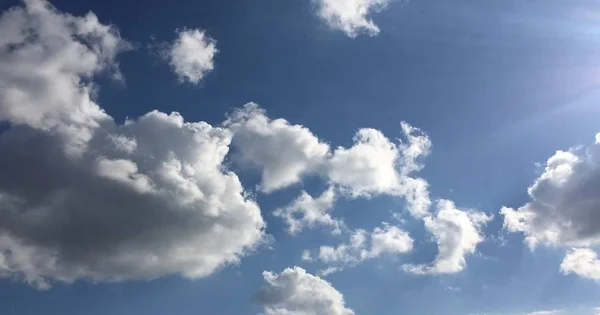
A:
(433, 125)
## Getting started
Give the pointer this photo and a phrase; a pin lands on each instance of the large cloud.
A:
(374, 165)
(296, 292)
(457, 233)
(84, 198)
(350, 16)
(191, 55)
(565, 201)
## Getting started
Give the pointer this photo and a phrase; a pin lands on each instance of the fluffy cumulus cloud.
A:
(564, 209)
(387, 239)
(45, 74)
(457, 233)
(284, 152)
(350, 16)
(191, 55)
(307, 211)
(82, 197)
(565, 201)
(373, 165)
(583, 262)
(296, 292)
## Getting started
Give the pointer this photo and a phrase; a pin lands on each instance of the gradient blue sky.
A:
(497, 85)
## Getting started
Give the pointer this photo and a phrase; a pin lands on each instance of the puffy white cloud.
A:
(191, 55)
(373, 165)
(45, 74)
(368, 167)
(457, 233)
(306, 211)
(296, 292)
(583, 262)
(84, 198)
(282, 151)
(389, 239)
(362, 246)
(565, 201)
(351, 16)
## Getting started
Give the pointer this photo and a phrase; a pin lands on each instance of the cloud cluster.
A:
(362, 246)
(296, 292)
(374, 165)
(350, 16)
(565, 208)
(457, 233)
(82, 197)
(191, 55)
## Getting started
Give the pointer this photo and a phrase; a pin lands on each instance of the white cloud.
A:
(583, 262)
(350, 16)
(457, 233)
(46, 79)
(84, 198)
(368, 167)
(191, 55)
(565, 200)
(362, 246)
(389, 239)
(296, 292)
(282, 151)
(374, 165)
(306, 211)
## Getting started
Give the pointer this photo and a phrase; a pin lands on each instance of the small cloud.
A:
(191, 55)
(453, 289)
(351, 17)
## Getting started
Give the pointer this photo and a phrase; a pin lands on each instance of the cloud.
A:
(565, 201)
(284, 152)
(45, 74)
(564, 209)
(82, 197)
(350, 16)
(457, 233)
(583, 262)
(306, 211)
(296, 292)
(373, 165)
(191, 55)
(362, 246)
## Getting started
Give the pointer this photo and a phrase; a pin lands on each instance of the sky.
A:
(303, 157)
